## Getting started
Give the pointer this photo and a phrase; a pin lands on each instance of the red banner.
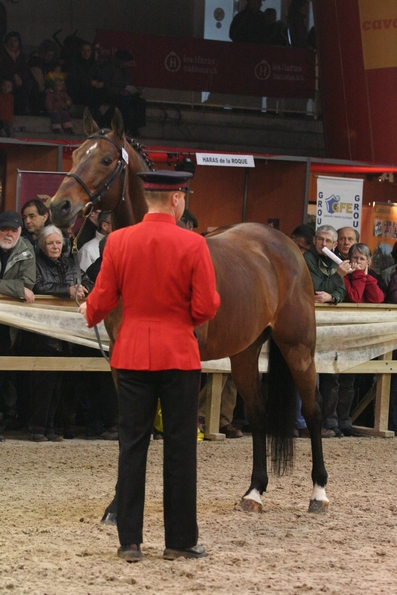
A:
(37, 184)
(213, 66)
(358, 61)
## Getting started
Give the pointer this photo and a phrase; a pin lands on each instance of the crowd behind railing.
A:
(35, 258)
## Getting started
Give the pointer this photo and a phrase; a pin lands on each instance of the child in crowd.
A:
(6, 108)
(58, 104)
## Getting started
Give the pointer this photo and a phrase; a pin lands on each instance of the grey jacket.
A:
(20, 270)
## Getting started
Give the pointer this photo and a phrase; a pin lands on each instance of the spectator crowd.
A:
(58, 80)
(35, 259)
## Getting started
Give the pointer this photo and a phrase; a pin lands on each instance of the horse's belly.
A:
(226, 338)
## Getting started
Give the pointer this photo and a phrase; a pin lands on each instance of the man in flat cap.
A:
(17, 271)
(17, 262)
(166, 280)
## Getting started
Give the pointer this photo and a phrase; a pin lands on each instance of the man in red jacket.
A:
(166, 280)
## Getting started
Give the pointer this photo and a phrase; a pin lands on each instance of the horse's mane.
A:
(142, 154)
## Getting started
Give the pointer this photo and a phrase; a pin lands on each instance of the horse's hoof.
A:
(250, 505)
(318, 506)
(109, 518)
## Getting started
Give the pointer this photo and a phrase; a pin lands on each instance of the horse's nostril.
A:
(65, 207)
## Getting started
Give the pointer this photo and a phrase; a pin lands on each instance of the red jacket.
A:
(362, 288)
(165, 277)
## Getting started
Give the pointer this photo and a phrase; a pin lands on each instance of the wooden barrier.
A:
(382, 367)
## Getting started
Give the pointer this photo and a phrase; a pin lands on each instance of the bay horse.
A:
(266, 294)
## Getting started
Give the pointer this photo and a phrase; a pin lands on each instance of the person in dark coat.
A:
(120, 92)
(14, 67)
(249, 25)
(55, 275)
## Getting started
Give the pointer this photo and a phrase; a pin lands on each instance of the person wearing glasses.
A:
(327, 276)
(303, 237)
(17, 276)
(329, 288)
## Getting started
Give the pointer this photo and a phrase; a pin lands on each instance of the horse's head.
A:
(98, 176)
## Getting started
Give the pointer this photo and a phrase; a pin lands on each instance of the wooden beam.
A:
(363, 403)
(67, 364)
(382, 399)
(213, 408)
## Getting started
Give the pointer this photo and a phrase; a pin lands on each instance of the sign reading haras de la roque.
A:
(225, 160)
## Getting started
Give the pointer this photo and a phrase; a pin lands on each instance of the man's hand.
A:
(29, 295)
(83, 310)
(344, 268)
(322, 297)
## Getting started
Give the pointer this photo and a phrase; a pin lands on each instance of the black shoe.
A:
(338, 432)
(352, 432)
(108, 435)
(231, 432)
(2, 439)
(38, 438)
(69, 435)
(54, 437)
(197, 551)
(130, 553)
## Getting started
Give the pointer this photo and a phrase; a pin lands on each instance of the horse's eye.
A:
(106, 161)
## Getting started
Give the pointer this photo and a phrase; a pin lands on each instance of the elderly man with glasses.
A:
(326, 275)
(17, 273)
(329, 287)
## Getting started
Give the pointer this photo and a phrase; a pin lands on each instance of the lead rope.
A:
(75, 253)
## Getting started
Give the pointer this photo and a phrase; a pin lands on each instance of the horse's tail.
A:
(281, 410)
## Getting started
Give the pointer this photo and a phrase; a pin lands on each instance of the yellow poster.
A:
(379, 232)
(378, 22)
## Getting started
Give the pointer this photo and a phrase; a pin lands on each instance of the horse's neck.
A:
(134, 207)
(135, 196)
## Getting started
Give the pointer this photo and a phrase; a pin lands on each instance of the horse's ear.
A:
(89, 124)
(117, 123)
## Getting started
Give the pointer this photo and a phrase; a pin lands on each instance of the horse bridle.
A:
(119, 170)
(95, 197)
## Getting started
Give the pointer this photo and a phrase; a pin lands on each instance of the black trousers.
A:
(138, 394)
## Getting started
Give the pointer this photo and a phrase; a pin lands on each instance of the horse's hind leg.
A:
(246, 378)
(300, 359)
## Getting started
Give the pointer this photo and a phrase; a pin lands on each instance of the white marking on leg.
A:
(319, 494)
(253, 495)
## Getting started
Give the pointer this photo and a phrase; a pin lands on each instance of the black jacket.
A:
(55, 277)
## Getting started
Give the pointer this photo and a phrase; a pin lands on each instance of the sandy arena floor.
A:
(53, 496)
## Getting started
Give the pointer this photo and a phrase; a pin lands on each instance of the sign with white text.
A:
(339, 202)
(225, 160)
